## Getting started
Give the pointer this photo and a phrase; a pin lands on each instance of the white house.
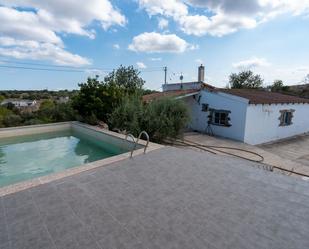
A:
(19, 102)
(251, 116)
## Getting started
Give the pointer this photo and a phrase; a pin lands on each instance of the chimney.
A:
(201, 73)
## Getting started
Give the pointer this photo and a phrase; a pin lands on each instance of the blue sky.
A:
(268, 36)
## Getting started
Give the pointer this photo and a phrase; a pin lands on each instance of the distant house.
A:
(63, 100)
(251, 116)
(19, 102)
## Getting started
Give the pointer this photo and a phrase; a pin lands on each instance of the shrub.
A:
(128, 116)
(12, 120)
(163, 118)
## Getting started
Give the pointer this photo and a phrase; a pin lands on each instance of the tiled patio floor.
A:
(169, 198)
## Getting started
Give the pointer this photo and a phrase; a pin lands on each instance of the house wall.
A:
(262, 122)
(217, 100)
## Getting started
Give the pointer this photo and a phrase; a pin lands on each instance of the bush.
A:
(128, 116)
(12, 120)
(163, 118)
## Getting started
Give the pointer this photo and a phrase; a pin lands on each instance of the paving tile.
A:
(4, 235)
(120, 239)
(22, 213)
(168, 199)
(35, 239)
(81, 239)
(62, 227)
(16, 200)
(5, 246)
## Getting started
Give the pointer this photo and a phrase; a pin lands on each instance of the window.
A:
(220, 117)
(204, 107)
(286, 117)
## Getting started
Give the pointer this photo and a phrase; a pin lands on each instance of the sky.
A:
(56, 44)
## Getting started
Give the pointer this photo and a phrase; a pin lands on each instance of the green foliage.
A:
(4, 112)
(48, 112)
(12, 120)
(128, 116)
(96, 99)
(278, 86)
(163, 118)
(245, 79)
(125, 79)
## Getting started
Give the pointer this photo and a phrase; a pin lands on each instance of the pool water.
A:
(27, 157)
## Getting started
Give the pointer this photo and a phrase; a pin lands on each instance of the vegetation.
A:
(35, 94)
(278, 86)
(96, 99)
(163, 118)
(49, 111)
(245, 79)
(116, 100)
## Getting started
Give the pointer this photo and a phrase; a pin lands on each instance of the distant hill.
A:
(295, 90)
(299, 90)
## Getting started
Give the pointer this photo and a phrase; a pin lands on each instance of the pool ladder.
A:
(135, 141)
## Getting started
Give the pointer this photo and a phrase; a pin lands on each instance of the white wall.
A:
(262, 122)
(215, 100)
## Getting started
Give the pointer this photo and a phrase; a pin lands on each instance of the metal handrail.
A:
(147, 137)
(134, 141)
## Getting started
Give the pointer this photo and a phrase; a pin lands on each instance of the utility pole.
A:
(165, 75)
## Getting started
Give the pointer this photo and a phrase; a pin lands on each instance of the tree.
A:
(245, 79)
(278, 86)
(127, 79)
(96, 100)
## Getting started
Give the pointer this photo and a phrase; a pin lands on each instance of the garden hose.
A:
(213, 149)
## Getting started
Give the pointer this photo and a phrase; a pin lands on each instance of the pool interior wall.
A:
(101, 145)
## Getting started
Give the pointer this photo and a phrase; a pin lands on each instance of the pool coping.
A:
(10, 189)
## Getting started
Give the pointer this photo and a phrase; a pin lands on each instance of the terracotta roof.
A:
(176, 93)
(264, 97)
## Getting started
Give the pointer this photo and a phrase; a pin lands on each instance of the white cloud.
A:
(162, 23)
(156, 59)
(141, 65)
(159, 43)
(21, 49)
(218, 25)
(116, 46)
(199, 61)
(225, 16)
(251, 63)
(169, 8)
(44, 21)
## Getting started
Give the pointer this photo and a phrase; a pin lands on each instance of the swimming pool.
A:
(45, 150)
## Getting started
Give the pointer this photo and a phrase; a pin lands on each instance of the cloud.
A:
(251, 63)
(21, 49)
(45, 21)
(162, 23)
(156, 59)
(159, 43)
(218, 25)
(141, 65)
(116, 46)
(199, 61)
(224, 16)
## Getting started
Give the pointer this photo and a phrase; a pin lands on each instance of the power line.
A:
(74, 69)
(42, 69)
(71, 70)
